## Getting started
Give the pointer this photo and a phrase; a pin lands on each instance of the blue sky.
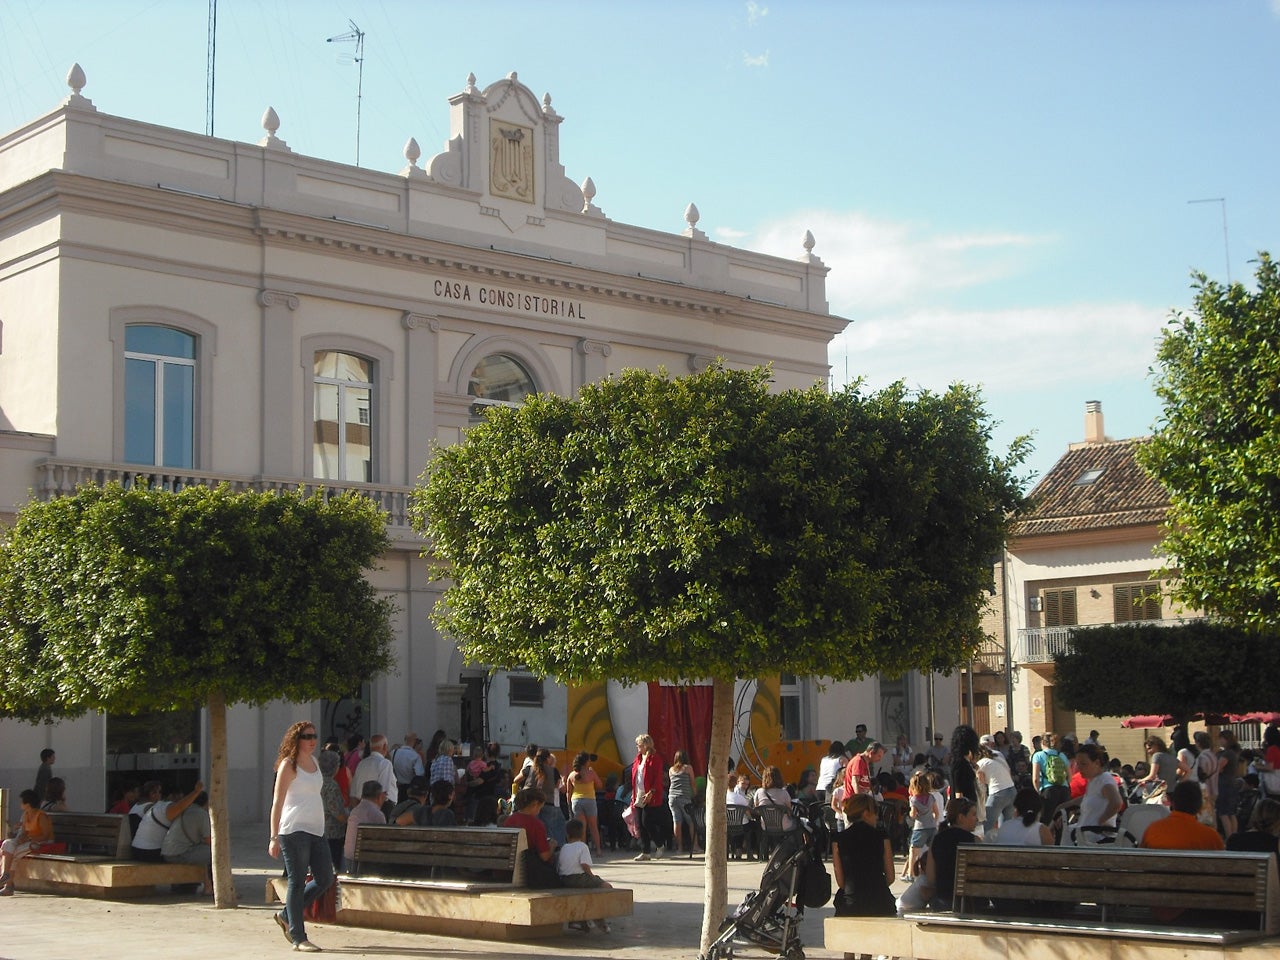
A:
(1000, 189)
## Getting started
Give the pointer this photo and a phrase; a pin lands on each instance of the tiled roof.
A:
(1123, 494)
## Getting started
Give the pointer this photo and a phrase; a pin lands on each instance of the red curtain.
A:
(680, 719)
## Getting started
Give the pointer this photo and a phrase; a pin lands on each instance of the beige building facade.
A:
(197, 310)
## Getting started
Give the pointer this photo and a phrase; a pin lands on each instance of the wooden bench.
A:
(1061, 901)
(97, 861)
(457, 881)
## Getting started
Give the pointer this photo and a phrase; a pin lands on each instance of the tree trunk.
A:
(224, 888)
(716, 869)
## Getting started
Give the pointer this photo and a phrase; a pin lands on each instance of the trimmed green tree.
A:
(128, 600)
(1201, 666)
(660, 529)
(1216, 449)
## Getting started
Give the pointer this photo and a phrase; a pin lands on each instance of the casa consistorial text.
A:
(517, 301)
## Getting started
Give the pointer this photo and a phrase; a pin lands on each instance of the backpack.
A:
(815, 885)
(1055, 768)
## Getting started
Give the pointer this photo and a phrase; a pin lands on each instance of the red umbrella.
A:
(1258, 716)
(1146, 722)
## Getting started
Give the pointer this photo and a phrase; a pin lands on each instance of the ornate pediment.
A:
(506, 150)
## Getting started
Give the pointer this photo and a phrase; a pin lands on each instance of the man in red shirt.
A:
(1181, 830)
(858, 772)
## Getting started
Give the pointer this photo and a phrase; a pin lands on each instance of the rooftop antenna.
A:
(357, 35)
(210, 58)
(1226, 249)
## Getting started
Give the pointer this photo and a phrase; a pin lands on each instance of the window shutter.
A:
(1060, 608)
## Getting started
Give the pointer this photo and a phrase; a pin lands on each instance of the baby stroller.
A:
(769, 917)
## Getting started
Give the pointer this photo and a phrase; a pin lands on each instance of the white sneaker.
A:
(658, 853)
(641, 856)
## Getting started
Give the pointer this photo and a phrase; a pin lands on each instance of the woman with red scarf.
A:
(648, 798)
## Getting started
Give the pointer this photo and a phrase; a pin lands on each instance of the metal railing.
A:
(1042, 644)
(57, 477)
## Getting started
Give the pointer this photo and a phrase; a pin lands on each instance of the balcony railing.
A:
(1042, 644)
(58, 477)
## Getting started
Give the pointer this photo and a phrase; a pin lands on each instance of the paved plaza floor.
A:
(666, 923)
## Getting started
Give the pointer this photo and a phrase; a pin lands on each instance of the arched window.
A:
(343, 417)
(498, 380)
(159, 396)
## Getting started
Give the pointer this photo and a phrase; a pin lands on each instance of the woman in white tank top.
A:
(1024, 829)
(297, 830)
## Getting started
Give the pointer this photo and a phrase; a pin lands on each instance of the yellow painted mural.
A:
(758, 742)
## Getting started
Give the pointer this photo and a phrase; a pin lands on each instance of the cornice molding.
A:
(232, 220)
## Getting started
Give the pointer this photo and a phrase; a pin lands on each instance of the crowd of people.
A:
(992, 788)
(869, 801)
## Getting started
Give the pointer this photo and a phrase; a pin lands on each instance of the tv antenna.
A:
(211, 55)
(1226, 248)
(356, 35)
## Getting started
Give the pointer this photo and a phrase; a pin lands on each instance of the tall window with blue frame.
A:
(160, 396)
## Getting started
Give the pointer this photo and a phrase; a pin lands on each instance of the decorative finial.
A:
(271, 123)
(809, 242)
(589, 194)
(512, 76)
(412, 152)
(76, 79)
(471, 83)
(691, 217)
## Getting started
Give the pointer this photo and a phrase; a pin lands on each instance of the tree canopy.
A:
(1200, 666)
(675, 528)
(1217, 448)
(666, 528)
(128, 600)
(141, 599)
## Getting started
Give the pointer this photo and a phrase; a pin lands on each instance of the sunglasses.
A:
(307, 736)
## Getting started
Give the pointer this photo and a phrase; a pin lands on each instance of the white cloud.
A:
(757, 60)
(755, 12)
(877, 264)
(729, 233)
(909, 291)
(1021, 349)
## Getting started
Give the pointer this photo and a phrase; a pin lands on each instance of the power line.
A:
(1226, 246)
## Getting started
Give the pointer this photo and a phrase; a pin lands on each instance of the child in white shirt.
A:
(573, 862)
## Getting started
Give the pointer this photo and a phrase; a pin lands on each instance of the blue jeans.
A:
(302, 852)
(999, 808)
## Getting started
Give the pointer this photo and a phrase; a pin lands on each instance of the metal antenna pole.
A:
(211, 56)
(1226, 246)
(357, 35)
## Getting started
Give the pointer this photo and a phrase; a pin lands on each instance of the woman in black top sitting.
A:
(940, 868)
(863, 863)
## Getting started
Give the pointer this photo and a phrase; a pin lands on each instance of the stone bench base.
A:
(509, 913)
(97, 877)
(896, 937)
